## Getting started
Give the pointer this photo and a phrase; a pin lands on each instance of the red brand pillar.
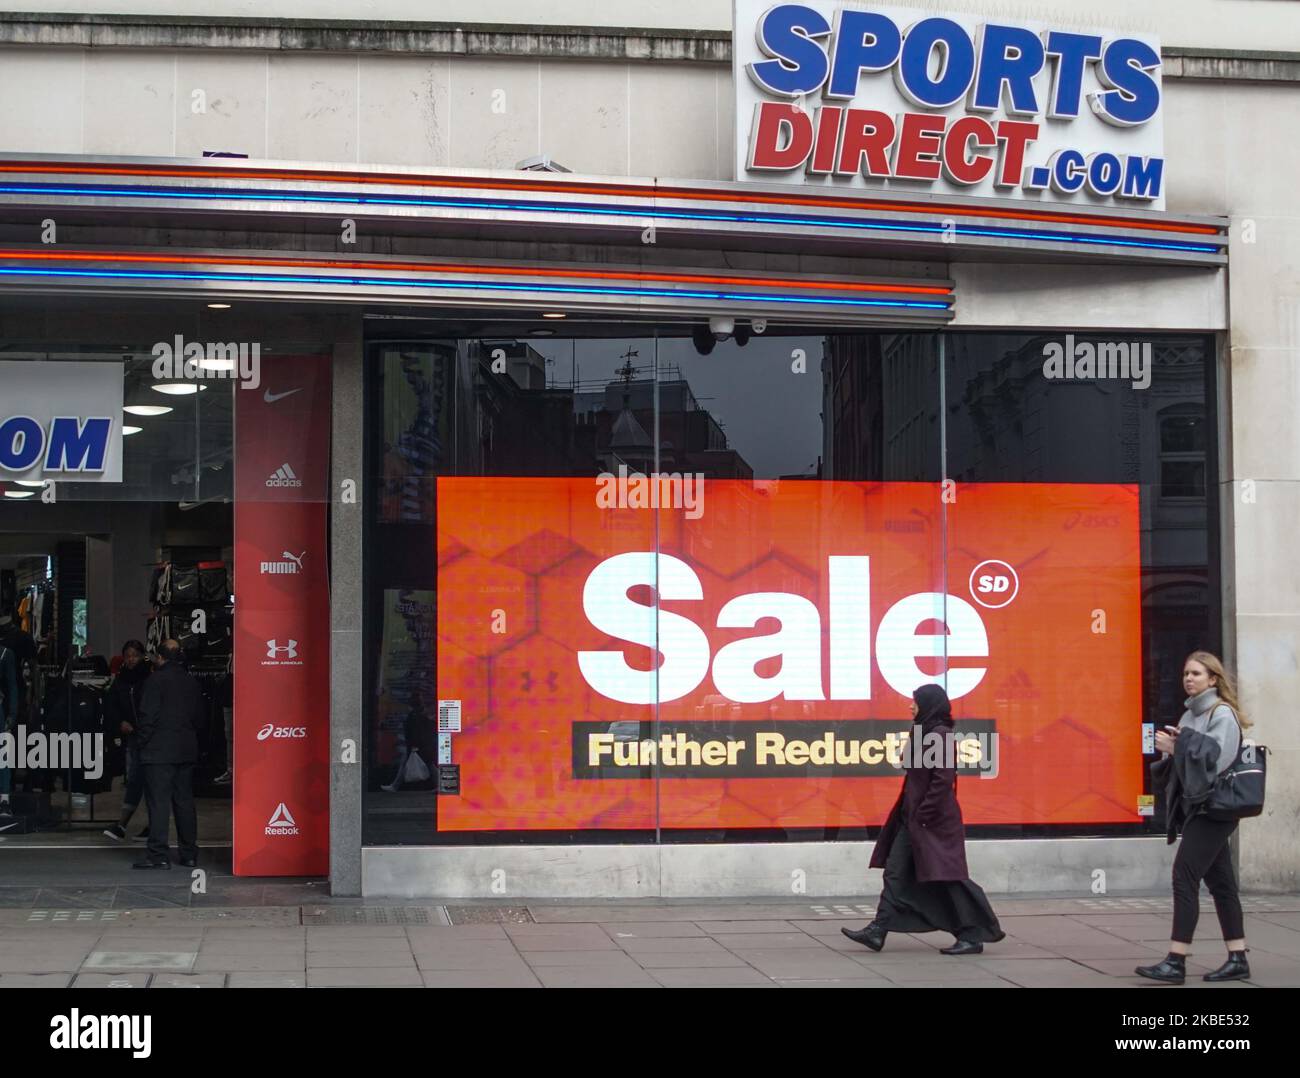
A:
(281, 738)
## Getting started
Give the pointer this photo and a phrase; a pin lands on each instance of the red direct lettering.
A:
(960, 168)
(869, 132)
(919, 143)
(771, 119)
(828, 129)
(1017, 135)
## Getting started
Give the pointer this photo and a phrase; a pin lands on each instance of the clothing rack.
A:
(69, 678)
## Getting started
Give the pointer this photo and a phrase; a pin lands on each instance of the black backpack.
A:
(1239, 792)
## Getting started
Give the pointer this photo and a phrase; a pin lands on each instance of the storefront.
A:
(588, 534)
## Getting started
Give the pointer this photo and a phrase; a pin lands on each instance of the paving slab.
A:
(350, 959)
(364, 977)
(539, 960)
(686, 960)
(747, 927)
(127, 960)
(657, 930)
(831, 982)
(462, 978)
(724, 977)
(188, 980)
(789, 963)
(441, 933)
(570, 977)
(770, 940)
(667, 945)
(248, 963)
(267, 980)
(35, 980)
(111, 980)
(1046, 973)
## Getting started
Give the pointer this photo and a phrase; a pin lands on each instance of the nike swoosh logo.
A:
(271, 398)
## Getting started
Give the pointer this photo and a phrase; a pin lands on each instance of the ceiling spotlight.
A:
(554, 314)
(218, 306)
(30, 482)
(147, 409)
(131, 430)
(20, 494)
(178, 389)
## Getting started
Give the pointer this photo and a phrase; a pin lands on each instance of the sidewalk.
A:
(291, 934)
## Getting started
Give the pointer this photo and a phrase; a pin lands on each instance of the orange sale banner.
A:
(633, 652)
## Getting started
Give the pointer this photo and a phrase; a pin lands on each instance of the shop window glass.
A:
(606, 662)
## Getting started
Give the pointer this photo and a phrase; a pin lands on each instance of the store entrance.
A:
(83, 612)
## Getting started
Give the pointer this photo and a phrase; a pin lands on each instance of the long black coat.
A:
(169, 715)
(927, 807)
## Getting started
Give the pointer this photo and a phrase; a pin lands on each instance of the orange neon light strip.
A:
(614, 189)
(443, 267)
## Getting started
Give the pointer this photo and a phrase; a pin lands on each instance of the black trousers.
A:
(908, 905)
(167, 788)
(1203, 855)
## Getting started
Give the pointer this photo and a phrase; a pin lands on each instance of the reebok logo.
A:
(290, 566)
(284, 476)
(282, 821)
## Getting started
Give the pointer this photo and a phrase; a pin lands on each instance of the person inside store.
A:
(123, 707)
(922, 847)
(8, 717)
(1194, 754)
(413, 749)
(169, 749)
(14, 637)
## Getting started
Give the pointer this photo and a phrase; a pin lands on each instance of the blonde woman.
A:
(1194, 754)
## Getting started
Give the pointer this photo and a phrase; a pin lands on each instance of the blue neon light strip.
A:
(410, 282)
(148, 191)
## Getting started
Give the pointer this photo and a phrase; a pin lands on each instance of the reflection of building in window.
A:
(880, 407)
(1182, 451)
(529, 427)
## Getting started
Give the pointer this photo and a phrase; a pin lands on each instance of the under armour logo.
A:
(274, 649)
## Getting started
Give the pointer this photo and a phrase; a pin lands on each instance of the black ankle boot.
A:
(872, 936)
(1173, 970)
(1235, 969)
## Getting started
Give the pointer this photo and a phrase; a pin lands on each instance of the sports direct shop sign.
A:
(945, 103)
(751, 667)
(61, 421)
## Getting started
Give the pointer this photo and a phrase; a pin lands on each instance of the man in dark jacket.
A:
(169, 748)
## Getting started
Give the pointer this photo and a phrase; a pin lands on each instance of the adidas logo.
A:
(281, 821)
(284, 476)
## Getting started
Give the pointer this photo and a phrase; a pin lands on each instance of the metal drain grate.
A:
(374, 915)
(72, 916)
(490, 915)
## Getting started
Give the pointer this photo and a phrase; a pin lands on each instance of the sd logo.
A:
(993, 584)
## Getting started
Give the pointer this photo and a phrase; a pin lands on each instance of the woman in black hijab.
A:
(923, 846)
